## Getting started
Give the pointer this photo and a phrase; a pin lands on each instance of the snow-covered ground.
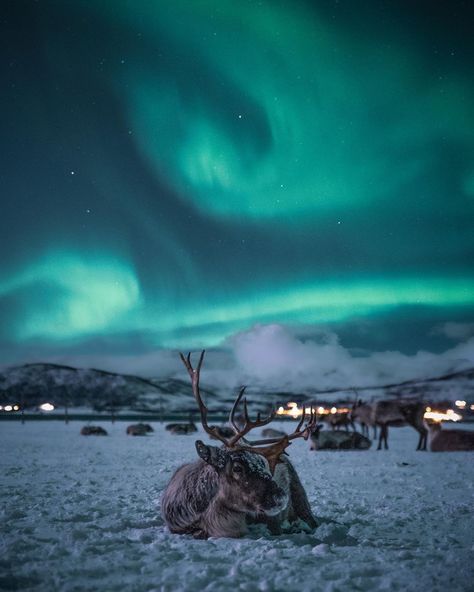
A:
(83, 514)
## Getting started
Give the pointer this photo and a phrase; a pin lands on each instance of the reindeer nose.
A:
(275, 499)
(275, 490)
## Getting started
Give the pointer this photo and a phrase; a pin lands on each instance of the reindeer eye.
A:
(237, 468)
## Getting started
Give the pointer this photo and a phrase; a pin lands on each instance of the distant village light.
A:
(460, 404)
(46, 407)
(15, 408)
(295, 412)
(8, 407)
(450, 415)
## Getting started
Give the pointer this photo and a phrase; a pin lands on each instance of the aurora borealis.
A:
(176, 172)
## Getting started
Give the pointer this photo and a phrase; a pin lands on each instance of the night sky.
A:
(175, 172)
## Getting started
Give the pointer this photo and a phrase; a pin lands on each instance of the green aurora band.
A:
(219, 164)
(321, 143)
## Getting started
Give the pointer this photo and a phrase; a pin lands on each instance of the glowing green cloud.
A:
(70, 295)
(208, 321)
(304, 118)
(208, 165)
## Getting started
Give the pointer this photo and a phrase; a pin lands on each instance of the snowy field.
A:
(83, 514)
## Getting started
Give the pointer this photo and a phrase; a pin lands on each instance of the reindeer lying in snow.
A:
(241, 482)
(181, 429)
(139, 429)
(448, 440)
(93, 431)
(337, 440)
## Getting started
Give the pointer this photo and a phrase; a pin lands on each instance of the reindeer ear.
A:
(211, 455)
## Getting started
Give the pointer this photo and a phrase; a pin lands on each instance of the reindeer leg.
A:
(379, 447)
(423, 438)
(383, 437)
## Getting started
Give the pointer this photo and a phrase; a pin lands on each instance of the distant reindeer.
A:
(398, 414)
(363, 414)
(181, 429)
(93, 431)
(337, 440)
(271, 433)
(241, 482)
(220, 432)
(339, 420)
(440, 440)
(139, 429)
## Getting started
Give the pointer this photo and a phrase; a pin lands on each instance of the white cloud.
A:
(273, 355)
(455, 331)
(276, 357)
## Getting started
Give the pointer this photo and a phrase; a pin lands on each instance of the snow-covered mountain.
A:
(31, 385)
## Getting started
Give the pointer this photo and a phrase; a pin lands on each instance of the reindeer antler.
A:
(271, 448)
(356, 396)
(194, 373)
(275, 447)
(249, 424)
(311, 424)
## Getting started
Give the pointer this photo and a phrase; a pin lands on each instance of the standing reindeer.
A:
(398, 414)
(242, 482)
(338, 421)
(363, 414)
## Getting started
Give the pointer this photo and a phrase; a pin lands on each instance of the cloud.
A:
(67, 294)
(455, 331)
(275, 356)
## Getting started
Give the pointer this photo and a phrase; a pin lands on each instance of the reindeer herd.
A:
(253, 481)
(247, 481)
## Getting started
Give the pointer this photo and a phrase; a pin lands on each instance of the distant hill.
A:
(34, 384)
